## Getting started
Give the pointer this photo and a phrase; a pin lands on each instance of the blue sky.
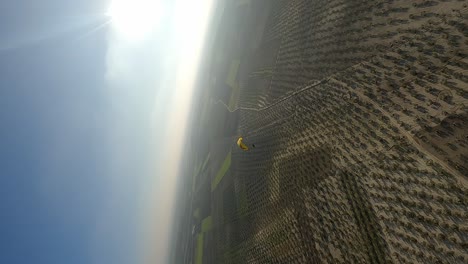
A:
(54, 112)
(82, 111)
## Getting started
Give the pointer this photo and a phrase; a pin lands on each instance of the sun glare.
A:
(134, 19)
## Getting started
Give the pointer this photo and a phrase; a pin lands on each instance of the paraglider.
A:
(242, 145)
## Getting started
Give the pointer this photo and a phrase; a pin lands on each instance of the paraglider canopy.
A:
(241, 144)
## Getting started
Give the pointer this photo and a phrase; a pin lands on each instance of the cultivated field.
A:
(359, 113)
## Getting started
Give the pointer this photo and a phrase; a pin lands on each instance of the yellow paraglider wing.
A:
(241, 144)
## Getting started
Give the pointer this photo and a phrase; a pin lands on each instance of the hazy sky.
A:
(87, 116)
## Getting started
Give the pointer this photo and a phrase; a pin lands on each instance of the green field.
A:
(222, 171)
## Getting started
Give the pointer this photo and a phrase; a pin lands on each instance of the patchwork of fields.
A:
(359, 113)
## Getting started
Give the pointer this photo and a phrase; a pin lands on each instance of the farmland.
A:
(359, 115)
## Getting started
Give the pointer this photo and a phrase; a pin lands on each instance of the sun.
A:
(134, 19)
